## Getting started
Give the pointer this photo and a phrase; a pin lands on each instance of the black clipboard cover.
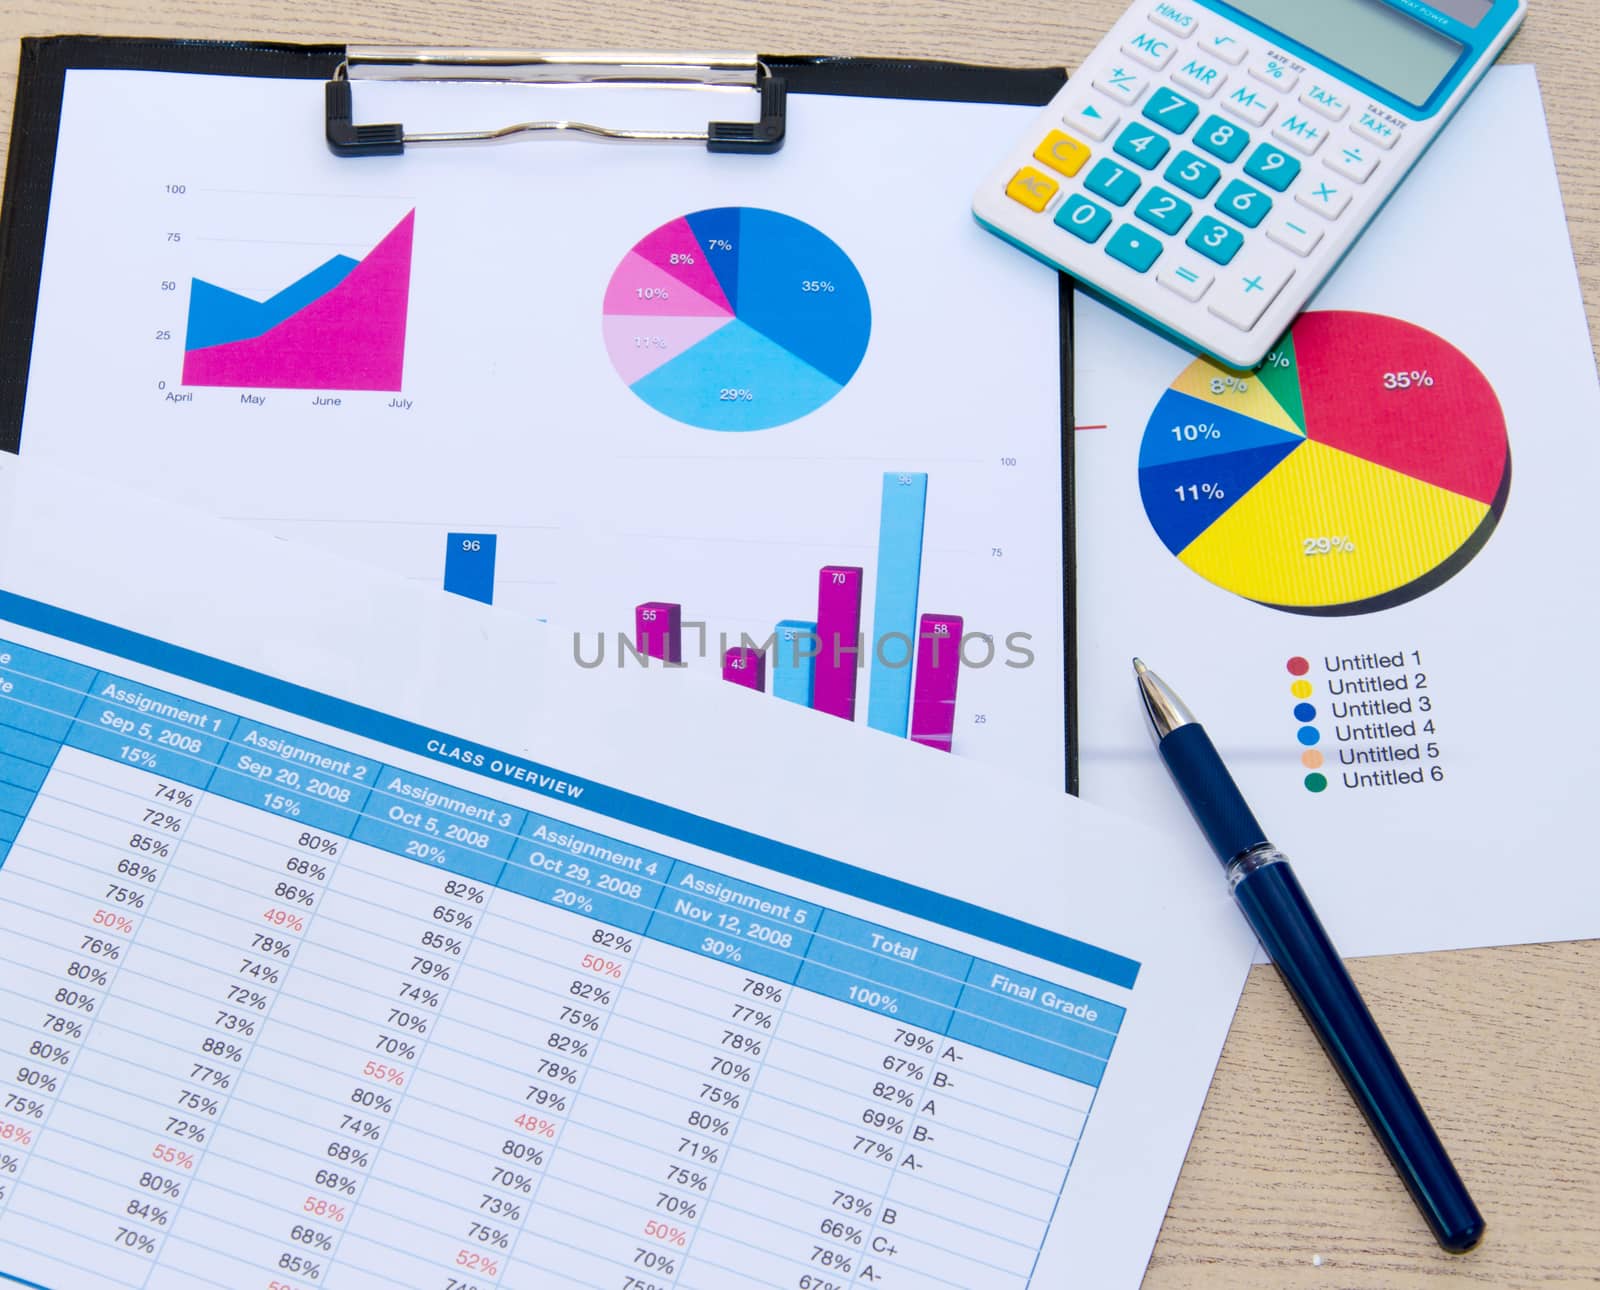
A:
(25, 201)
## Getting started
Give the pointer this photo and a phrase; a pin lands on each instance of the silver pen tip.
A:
(1165, 709)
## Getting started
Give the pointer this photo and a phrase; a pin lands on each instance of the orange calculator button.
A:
(1060, 151)
(1031, 188)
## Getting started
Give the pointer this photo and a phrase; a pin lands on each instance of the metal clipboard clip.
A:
(698, 69)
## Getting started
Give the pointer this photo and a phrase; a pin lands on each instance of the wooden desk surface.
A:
(1503, 1046)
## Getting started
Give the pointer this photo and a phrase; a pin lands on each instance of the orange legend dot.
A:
(1311, 759)
(1301, 689)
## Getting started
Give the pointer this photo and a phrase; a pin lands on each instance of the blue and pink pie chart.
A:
(736, 318)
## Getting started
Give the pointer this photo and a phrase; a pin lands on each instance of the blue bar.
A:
(794, 661)
(469, 566)
(22, 746)
(894, 604)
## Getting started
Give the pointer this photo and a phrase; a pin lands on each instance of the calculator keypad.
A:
(1191, 154)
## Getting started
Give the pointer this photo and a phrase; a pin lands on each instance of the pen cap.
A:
(1219, 808)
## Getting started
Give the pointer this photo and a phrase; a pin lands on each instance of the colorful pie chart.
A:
(1364, 464)
(736, 318)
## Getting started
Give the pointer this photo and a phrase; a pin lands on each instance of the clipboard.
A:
(45, 62)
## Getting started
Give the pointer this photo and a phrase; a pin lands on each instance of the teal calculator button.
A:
(1161, 210)
(1171, 110)
(1272, 167)
(1143, 147)
(1083, 218)
(1113, 182)
(1135, 249)
(1215, 240)
(1195, 175)
(1221, 138)
(1246, 204)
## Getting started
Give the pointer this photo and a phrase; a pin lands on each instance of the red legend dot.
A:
(1298, 666)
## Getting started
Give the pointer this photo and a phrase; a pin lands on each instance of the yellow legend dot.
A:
(1311, 759)
(1301, 689)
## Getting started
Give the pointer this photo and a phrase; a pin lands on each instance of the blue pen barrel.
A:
(1273, 901)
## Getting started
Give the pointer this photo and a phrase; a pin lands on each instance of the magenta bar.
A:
(838, 641)
(746, 667)
(933, 692)
(658, 630)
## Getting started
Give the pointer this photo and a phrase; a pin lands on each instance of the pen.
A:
(1276, 906)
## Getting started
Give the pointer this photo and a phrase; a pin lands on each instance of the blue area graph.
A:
(218, 316)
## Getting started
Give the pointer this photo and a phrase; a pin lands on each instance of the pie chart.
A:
(1364, 464)
(736, 318)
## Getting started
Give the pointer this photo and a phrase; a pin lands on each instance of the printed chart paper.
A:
(577, 380)
(1367, 565)
(305, 992)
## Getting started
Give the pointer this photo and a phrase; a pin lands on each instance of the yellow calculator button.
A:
(1062, 152)
(1031, 188)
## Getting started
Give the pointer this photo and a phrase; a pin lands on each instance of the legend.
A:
(1305, 712)
(1376, 711)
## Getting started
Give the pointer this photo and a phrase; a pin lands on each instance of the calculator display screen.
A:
(1370, 38)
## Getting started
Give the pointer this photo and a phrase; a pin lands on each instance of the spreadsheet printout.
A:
(300, 993)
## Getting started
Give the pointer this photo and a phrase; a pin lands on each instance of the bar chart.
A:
(913, 659)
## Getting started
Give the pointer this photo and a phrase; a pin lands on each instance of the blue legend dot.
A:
(1305, 712)
(1309, 736)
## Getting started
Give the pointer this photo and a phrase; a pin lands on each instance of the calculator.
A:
(1210, 164)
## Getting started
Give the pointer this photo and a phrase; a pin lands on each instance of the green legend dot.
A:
(1316, 781)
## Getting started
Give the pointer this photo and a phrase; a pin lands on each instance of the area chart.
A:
(340, 327)
(736, 318)
(1363, 465)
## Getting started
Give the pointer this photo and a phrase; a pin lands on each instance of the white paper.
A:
(767, 768)
(512, 419)
(1407, 867)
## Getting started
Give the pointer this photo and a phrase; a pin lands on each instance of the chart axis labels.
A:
(736, 318)
(1364, 464)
